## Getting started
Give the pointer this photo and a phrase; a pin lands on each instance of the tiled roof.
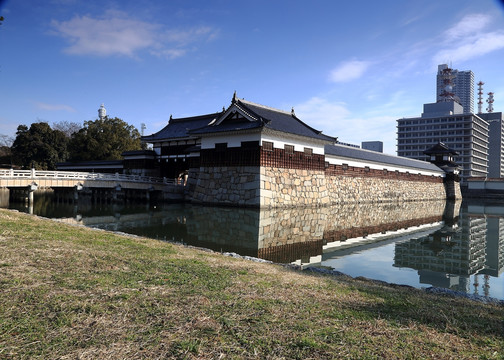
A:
(440, 148)
(266, 117)
(179, 128)
(374, 156)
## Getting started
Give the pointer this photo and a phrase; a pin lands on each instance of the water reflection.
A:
(461, 256)
(415, 243)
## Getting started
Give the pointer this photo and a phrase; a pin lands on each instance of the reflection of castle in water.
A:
(448, 257)
(280, 235)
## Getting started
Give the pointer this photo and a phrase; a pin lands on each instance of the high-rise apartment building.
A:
(495, 143)
(463, 86)
(447, 122)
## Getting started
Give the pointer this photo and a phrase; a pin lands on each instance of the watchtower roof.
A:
(246, 115)
(441, 149)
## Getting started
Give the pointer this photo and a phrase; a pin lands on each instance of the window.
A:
(267, 146)
(289, 149)
(308, 151)
(221, 146)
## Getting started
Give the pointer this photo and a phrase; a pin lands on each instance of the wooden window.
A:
(267, 146)
(366, 169)
(289, 149)
(344, 166)
(308, 151)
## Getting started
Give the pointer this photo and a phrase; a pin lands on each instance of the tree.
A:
(39, 146)
(104, 139)
(67, 127)
(5, 150)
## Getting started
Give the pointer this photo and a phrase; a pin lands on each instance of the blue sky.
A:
(350, 69)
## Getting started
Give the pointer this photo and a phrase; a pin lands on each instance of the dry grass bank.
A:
(74, 293)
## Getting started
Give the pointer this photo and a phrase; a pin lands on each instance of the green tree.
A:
(104, 139)
(39, 146)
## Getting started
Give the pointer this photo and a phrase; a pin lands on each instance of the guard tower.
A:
(443, 157)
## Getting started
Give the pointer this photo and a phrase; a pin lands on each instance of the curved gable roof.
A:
(260, 116)
(180, 128)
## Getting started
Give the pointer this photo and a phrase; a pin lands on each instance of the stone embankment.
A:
(281, 187)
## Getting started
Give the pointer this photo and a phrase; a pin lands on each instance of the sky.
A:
(348, 68)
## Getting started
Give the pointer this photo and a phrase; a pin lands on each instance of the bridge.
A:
(32, 180)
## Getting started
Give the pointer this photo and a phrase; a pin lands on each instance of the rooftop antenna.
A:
(490, 102)
(447, 93)
(480, 97)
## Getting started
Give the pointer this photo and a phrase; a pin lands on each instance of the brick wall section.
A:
(297, 160)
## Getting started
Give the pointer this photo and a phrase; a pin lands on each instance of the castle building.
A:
(254, 155)
(463, 86)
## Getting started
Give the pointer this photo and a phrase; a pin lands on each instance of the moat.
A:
(454, 245)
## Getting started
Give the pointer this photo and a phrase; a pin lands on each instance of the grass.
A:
(74, 293)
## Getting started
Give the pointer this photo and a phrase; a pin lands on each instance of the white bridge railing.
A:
(67, 175)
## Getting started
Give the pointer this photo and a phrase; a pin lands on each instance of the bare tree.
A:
(66, 127)
(6, 141)
(5, 150)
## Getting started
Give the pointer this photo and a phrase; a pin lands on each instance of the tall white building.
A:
(102, 112)
(463, 86)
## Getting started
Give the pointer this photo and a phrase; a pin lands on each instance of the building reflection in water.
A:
(446, 244)
(474, 245)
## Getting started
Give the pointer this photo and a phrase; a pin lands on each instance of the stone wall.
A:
(228, 185)
(282, 187)
(279, 187)
(343, 189)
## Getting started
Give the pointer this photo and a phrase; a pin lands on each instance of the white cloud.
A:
(106, 36)
(469, 25)
(349, 70)
(467, 40)
(116, 33)
(472, 48)
(335, 119)
(322, 114)
(54, 107)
